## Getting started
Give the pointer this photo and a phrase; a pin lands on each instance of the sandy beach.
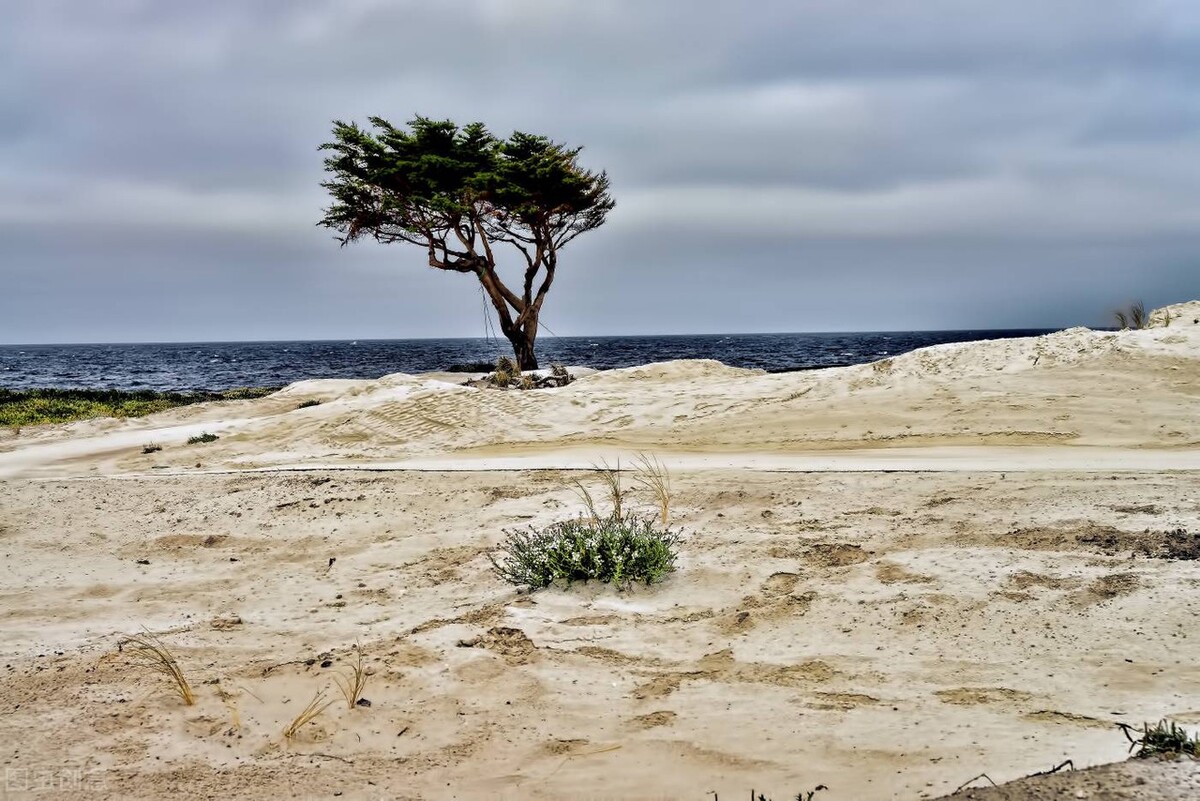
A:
(893, 577)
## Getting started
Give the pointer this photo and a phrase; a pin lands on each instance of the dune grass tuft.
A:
(202, 438)
(353, 683)
(150, 653)
(307, 715)
(1135, 317)
(652, 475)
(611, 476)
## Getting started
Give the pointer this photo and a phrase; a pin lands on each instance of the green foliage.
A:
(426, 184)
(1165, 738)
(40, 406)
(202, 438)
(620, 550)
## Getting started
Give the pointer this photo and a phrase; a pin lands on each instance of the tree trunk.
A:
(522, 342)
(520, 332)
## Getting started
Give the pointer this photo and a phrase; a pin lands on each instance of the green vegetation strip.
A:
(39, 406)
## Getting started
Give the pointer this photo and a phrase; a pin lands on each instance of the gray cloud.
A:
(828, 165)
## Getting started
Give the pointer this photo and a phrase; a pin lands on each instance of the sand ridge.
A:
(1133, 389)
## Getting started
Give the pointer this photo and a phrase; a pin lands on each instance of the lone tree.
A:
(461, 193)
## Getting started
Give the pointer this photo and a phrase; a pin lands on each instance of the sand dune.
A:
(995, 607)
(1134, 389)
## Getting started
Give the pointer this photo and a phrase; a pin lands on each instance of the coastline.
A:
(897, 575)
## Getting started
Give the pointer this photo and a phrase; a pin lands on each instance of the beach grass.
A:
(149, 653)
(307, 715)
(1163, 739)
(354, 682)
(31, 407)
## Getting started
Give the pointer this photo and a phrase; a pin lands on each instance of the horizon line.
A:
(504, 342)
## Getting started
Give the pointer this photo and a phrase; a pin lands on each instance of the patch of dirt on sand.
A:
(1178, 544)
(1108, 587)
(892, 573)
(836, 554)
(780, 583)
(975, 696)
(592, 620)
(842, 701)
(723, 667)
(778, 600)
(663, 717)
(1054, 716)
(176, 541)
(510, 643)
(1137, 509)
(1023, 579)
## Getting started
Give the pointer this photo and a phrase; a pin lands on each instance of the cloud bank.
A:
(788, 166)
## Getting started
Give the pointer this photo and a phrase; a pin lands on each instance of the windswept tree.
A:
(467, 197)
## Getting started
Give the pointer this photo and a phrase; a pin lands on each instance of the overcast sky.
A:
(784, 165)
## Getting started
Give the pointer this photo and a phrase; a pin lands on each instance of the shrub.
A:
(506, 373)
(246, 393)
(205, 437)
(308, 404)
(43, 406)
(151, 447)
(617, 549)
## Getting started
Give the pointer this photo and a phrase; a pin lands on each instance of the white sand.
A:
(890, 634)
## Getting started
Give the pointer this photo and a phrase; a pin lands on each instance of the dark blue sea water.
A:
(222, 365)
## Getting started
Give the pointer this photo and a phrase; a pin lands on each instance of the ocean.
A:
(223, 365)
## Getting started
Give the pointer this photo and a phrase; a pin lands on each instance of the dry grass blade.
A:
(307, 715)
(353, 684)
(612, 482)
(653, 475)
(588, 501)
(230, 701)
(150, 653)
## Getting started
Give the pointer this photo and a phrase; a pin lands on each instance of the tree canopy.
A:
(461, 193)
